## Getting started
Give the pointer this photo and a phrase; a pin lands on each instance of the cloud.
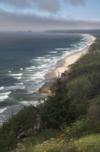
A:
(76, 2)
(46, 5)
(52, 6)
(14, 22)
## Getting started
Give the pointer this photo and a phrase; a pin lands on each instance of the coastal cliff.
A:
(69, 119)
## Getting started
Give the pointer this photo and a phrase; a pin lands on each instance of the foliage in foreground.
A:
(21, 124)
(89, 143)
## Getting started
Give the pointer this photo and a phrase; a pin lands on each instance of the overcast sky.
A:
(40, 15)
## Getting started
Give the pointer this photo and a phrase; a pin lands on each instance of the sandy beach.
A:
(63, 65)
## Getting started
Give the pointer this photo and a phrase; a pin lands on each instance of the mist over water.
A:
(25, 58)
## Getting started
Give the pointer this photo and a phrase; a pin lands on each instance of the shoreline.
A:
(63, 65)
(60, 67)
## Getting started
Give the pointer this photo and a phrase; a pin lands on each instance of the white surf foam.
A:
(20, 86)
(21, 69)
(17, 76)
(28, 103)
(30, 68)
(61, 49)
(3, 109)
(53, 52)
(34, 103)
(4, 96)
(2, 88)
(9, 71)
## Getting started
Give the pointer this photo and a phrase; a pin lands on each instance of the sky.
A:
(41, 15)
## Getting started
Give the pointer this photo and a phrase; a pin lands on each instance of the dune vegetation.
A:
(68, 121)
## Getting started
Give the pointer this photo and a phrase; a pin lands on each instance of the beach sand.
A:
(63, 65)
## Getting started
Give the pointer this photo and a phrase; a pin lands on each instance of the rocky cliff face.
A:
(45, 90)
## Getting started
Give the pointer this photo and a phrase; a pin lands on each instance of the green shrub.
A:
(22, 123)
(77, 129)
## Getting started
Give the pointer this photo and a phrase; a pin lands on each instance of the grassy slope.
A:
(75, 107)
(85, 144)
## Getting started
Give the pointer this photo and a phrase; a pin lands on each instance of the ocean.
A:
(25, 58)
